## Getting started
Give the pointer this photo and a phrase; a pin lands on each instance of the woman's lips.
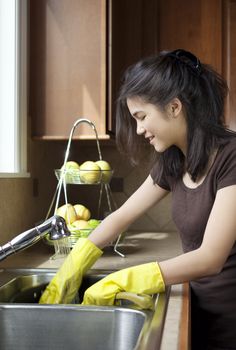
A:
(151, 139)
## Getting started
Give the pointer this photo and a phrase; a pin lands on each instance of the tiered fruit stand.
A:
(68, 176)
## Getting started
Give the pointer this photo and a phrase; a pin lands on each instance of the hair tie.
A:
(187, 58)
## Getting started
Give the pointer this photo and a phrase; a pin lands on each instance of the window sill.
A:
(14, 175)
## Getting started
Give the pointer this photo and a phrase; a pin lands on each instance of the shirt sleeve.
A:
(159, 178)
(227, 172)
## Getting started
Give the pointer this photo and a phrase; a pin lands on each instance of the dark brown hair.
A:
(201, 90)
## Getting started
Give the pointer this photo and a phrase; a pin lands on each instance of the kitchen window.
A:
(13, 88)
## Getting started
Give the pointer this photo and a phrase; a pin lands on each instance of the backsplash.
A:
(157, 219)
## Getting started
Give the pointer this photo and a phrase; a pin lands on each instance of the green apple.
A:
(70, 227)
(106, 170)
(82, 212)
(81, 227)
(80, 224)
(90, 172)
(93, 223)
(67, 211)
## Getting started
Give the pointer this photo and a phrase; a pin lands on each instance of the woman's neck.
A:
(189, 182)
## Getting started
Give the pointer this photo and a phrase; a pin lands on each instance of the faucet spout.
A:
(55, 226)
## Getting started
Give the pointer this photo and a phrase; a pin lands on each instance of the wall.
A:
(24, 202)
(16, 207)
(50, 155)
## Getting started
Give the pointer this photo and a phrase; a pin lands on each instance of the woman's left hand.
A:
(140, 279)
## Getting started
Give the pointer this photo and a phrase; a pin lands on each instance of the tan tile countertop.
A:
(138, 248)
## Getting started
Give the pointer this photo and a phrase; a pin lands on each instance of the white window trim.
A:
(20, 130)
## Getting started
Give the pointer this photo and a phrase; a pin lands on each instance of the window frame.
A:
(19, 158)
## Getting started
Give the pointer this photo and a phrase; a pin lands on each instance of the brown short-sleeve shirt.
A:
(190, 210)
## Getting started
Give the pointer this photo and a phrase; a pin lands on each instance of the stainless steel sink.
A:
(27, 285)
(24, 324)
(69, 327)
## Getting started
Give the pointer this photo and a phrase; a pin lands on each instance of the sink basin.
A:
(26, 286)
(24, 324)
(69, 328)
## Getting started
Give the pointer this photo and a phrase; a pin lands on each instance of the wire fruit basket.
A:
(86, 176)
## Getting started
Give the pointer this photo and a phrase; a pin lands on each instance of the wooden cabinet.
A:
(208, 29)
(67, 67)
(229, 58)
(133, 34)
(78, 50)
(192, 25)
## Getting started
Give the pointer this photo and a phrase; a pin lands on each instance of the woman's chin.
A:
(159, 148)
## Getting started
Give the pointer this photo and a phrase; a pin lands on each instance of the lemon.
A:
(106, 170)
(90, 172)
(70, 165)
(67, 211)
(82, 212)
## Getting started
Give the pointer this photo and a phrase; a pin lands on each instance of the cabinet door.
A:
(229, 59)
(192, 25)
(67, 67)
(133, 33)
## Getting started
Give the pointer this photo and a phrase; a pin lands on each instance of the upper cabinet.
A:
(208, 29)
(133, 34)
(78, 51)
(67, 67)
(192, 25)
(229, 58)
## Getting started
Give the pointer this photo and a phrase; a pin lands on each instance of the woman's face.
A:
(163, 129)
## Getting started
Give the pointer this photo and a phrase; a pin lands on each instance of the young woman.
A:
(175, 103)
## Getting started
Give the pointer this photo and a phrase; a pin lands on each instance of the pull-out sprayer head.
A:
(58, 228)
(55, 226)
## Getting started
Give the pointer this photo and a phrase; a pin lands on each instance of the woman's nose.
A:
(140, 129)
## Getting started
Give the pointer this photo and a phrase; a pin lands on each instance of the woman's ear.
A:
(175, 107)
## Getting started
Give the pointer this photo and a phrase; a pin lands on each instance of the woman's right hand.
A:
(63, 287)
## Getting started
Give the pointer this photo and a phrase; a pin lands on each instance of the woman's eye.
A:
(143, 117)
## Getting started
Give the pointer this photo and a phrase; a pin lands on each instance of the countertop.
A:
(138, 248)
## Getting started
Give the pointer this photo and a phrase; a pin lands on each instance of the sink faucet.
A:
(55, 226)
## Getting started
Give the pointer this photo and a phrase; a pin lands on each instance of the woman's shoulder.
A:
(225, 163)
(228, 146)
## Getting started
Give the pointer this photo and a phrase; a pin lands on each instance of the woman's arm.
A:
(145, 197)
(219, 237)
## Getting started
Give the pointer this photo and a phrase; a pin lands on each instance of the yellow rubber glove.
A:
(140, 279)
(65, 284)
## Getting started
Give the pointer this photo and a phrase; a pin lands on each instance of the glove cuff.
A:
(150, 279)
(161, 283)
(88, 252)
